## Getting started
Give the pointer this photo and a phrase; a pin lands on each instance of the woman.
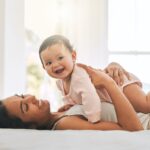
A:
(36, 113)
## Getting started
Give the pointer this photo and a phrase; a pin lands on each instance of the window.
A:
(129, 34)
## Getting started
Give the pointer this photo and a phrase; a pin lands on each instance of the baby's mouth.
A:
(58, 71)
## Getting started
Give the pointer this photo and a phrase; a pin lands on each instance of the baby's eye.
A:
(60, 57)
(48, 63)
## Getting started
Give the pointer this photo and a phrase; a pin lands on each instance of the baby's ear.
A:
(43, 66)
(74, 55)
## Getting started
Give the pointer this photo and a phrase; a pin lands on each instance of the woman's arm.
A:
(116, 72)
(126, 115)
(79, 123)
(127, 118)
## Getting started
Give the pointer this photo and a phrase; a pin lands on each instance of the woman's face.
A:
(28, 109)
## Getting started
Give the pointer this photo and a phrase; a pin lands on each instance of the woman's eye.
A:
(24, 107)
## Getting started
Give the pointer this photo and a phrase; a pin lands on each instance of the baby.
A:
(59, 60)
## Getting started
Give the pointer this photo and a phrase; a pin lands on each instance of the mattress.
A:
(28, 139)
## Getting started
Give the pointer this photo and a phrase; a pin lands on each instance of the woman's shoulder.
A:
(73, 112)
(70, 117)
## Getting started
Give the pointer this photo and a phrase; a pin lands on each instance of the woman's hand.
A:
(99, 78)
(117, 72)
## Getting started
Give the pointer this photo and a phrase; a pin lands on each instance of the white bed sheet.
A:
(25, 139)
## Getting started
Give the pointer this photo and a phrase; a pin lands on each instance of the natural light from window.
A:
(129, 34)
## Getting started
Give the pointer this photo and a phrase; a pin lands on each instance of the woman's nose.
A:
(32, 99)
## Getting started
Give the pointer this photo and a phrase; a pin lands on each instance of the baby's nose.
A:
(55, 64)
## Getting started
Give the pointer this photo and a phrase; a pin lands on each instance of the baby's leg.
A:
(137, 97)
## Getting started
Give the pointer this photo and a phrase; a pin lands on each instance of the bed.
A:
(28, 139)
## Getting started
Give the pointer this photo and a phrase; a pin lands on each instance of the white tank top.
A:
(108, 114)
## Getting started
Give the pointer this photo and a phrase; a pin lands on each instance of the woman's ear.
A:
(74, 55)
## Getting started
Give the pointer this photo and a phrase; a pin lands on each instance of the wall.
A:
(12, 47)
(1, 46)
(92, 41)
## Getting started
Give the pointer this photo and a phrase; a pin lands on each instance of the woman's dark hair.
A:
(8, 122)
(52, 40)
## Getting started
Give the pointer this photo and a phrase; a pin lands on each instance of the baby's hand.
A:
(65, 107)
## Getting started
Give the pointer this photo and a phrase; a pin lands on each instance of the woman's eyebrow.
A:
(16, 95)
(22, 96)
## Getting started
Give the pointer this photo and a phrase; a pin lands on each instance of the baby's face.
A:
(58, 61)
